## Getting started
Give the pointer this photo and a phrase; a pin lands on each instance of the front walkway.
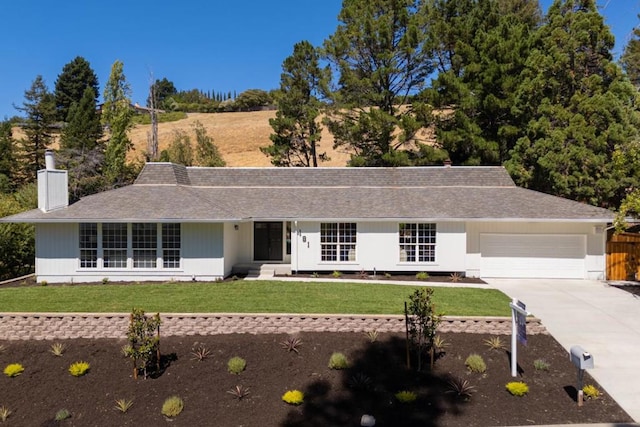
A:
(602, 319)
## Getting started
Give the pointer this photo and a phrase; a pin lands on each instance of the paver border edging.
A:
(50, 326)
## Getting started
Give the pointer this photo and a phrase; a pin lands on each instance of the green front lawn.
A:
(248, 297)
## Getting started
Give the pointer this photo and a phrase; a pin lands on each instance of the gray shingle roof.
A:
(167, 192)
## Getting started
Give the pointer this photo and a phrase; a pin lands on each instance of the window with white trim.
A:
(144, 241)
(338, 241)
(114, 245)
(88, 237)
(417, 242)
(171, 245)
(110, 245)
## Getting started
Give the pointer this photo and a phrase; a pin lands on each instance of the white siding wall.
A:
(56, 252)
(231, 246)
(378, 248)
(595, 261)
(57, 256)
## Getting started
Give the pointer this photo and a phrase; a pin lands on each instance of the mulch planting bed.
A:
(45, 386)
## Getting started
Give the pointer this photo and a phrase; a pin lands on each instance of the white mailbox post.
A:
(582, 360)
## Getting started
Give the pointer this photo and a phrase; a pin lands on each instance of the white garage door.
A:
(533, 256)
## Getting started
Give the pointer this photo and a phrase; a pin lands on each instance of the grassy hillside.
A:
(239, 137)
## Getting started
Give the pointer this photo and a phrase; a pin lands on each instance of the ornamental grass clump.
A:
(406, 396)
(4, 413)
(62, 415)
(172, 407)
(235, 365)
(293, 397)
(541, 365)
(475, 363)
(517, 388)
(57, 349)
(590, 391)
(123, 405)
(78, 369)
(338, 361)
(13, 370)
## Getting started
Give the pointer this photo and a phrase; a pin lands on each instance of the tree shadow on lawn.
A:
(376, 373)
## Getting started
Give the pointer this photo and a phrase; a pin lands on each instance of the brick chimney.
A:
(53, 185)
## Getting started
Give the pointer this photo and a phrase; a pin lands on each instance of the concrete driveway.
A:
(604, 320)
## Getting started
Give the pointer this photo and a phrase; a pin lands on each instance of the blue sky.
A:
(209, 45)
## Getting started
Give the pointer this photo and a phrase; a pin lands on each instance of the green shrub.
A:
(293, 397)
(235, 365)
(13, 370)
(423, 275)
(336, 274)
(591, 391)
(517, 388)
(475, 363)
(405, 396)
(62, 414)
(78, 369)
(541, 365)
(338, 361)
(172, 406)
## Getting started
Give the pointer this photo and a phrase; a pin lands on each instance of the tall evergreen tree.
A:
(579, 108)
(83, 128)
(481, 48)
(296, 127)
(378, 52)
(630, 59)
(117, 115)
(7, 158)
(76, 76)
(39, 110)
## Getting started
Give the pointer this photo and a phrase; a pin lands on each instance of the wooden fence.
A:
(623, 257)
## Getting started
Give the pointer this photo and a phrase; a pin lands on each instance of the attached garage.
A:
(533, 255)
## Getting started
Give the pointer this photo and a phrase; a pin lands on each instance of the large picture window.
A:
(110, 245)
(114, 245)
(88, 245)
(144, 242)
(417, 242)
(338, 241)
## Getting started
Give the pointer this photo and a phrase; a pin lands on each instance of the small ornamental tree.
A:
(144, 341)
(421, 323)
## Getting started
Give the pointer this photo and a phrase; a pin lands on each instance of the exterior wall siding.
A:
(57, 257)
(377, 248)
(594, 233)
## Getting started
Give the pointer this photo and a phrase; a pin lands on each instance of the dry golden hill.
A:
(238, 136)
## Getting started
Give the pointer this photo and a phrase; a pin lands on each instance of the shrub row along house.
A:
(193, 223)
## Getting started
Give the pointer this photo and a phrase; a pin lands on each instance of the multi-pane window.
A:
(417, 242)
(114, 245)
(88, 245)
(338, 241)
(171, 245)
(144, 241)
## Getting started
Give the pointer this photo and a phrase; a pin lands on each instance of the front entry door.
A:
(267, 241)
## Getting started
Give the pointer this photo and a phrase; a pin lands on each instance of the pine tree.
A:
(70, 86)
(117, 117)
(7, 158)
(630, 59)
(378, 52)
(481, 47)
(83, 128)
(579, 111)
(296, 127)
(39, 108)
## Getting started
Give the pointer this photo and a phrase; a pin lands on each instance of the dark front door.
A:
(267, 241)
